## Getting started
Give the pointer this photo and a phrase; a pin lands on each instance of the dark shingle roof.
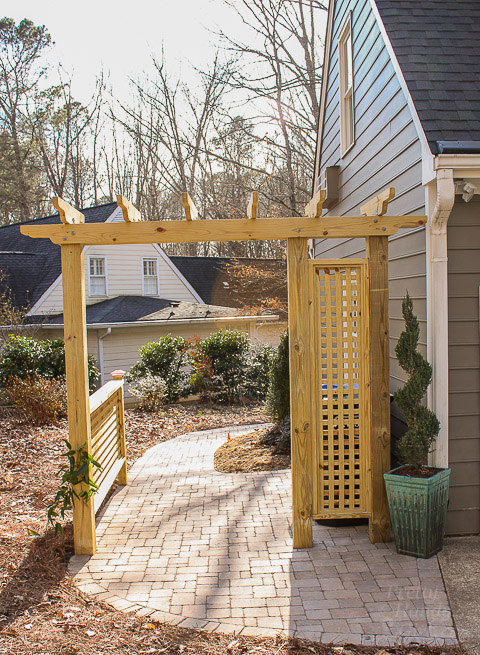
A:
(437, 44)
(132, 309)
(32, 265)
(211, 277)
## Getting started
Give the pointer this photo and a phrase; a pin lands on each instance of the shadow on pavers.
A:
(460, 564)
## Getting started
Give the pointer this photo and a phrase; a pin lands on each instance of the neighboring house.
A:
(134, 293)
(400, 107)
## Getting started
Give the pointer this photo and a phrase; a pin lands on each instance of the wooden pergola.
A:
(366, 279)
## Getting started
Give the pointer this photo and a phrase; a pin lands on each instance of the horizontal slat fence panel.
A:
(108, 437)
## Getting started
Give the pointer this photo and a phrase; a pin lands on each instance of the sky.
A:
(121, 36)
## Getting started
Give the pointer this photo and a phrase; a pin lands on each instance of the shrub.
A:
(257, 371)
(38, 400)
(219, 362)
(25, 357)
(423, 425)
(278, 395)
(150, 390)
(166, 358)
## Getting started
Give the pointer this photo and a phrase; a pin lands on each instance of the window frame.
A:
(150, 259)
(105, 276)
(346, 86)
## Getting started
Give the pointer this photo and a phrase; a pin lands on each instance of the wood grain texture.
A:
(379, 205)
(75, 332)
(223, 230)
(252, 205)
(377, 253)
(122, 474)
(191, 212)
(314, 208)
(67, 213)
(130, 213)
(299, 308)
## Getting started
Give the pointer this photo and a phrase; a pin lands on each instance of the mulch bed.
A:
(265, 449)
(42, 612)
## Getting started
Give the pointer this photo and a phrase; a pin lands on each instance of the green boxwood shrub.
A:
(219, 366)
(278, 395)
(257, 371)
(166, 358)
(25, 357)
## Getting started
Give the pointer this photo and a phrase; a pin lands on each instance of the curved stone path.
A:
(185, 544)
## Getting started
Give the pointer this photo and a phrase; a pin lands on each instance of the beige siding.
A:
(270, 333)
(124, 276)
(387, 152)
(464, 366)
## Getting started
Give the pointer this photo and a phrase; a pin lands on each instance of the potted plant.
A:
(417, 493)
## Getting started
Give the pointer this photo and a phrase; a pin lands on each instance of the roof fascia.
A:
(428, 172)
(175, 270)
(463, 165)
(325, 69)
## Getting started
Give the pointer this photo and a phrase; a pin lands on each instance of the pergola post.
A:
(377, 253)
(299, 307)
(78, 401)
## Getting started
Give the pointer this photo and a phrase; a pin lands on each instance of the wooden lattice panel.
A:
(341, 383)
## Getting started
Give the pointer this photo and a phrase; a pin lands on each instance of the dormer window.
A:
(345, 62)
(98, 276)
(150, 277)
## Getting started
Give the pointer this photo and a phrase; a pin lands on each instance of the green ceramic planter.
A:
(418, 509)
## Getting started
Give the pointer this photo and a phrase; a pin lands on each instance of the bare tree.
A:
(281, 71)
(20, 48)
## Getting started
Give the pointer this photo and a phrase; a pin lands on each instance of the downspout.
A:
(437, 306)
(101, 365)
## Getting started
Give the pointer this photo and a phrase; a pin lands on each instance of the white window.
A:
(98, 276)
(345, 62)
(150, 277)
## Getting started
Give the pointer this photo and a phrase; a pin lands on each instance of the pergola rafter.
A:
(74, 234)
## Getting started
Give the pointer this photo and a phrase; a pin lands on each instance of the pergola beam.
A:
(222, 230)
(130, 213)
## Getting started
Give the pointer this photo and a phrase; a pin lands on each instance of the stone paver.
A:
(197, 548)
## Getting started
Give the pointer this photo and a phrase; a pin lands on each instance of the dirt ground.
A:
(41, 612)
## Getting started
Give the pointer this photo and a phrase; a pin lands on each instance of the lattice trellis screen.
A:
(341, 406)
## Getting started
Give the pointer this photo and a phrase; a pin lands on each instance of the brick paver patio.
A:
(185, 544)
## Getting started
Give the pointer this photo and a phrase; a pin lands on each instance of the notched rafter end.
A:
(378, 206)
(314, 208)
(67, 213)
(252, 205)
(191, 212)
(130, 213)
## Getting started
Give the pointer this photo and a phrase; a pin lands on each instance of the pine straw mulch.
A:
(43, 613)
(265, 449)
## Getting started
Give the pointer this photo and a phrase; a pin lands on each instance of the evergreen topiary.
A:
(278, 395)
(423, 425)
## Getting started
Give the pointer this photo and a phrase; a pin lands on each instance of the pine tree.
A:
(423, 425)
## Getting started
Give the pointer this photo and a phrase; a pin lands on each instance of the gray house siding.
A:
(386, 152)
(464, 366)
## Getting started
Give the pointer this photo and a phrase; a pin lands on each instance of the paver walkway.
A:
(185, 544)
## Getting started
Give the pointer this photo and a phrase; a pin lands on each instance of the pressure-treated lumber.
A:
(130, 213)
(314, 208)
(377, 253)
(252, 205)
(68, 214)
(223, 230)
(378, 206)
(76, 369)
(299, 307)
(191, 212)
(122, 474)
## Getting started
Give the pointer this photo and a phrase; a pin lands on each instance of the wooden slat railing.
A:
(108, 438)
